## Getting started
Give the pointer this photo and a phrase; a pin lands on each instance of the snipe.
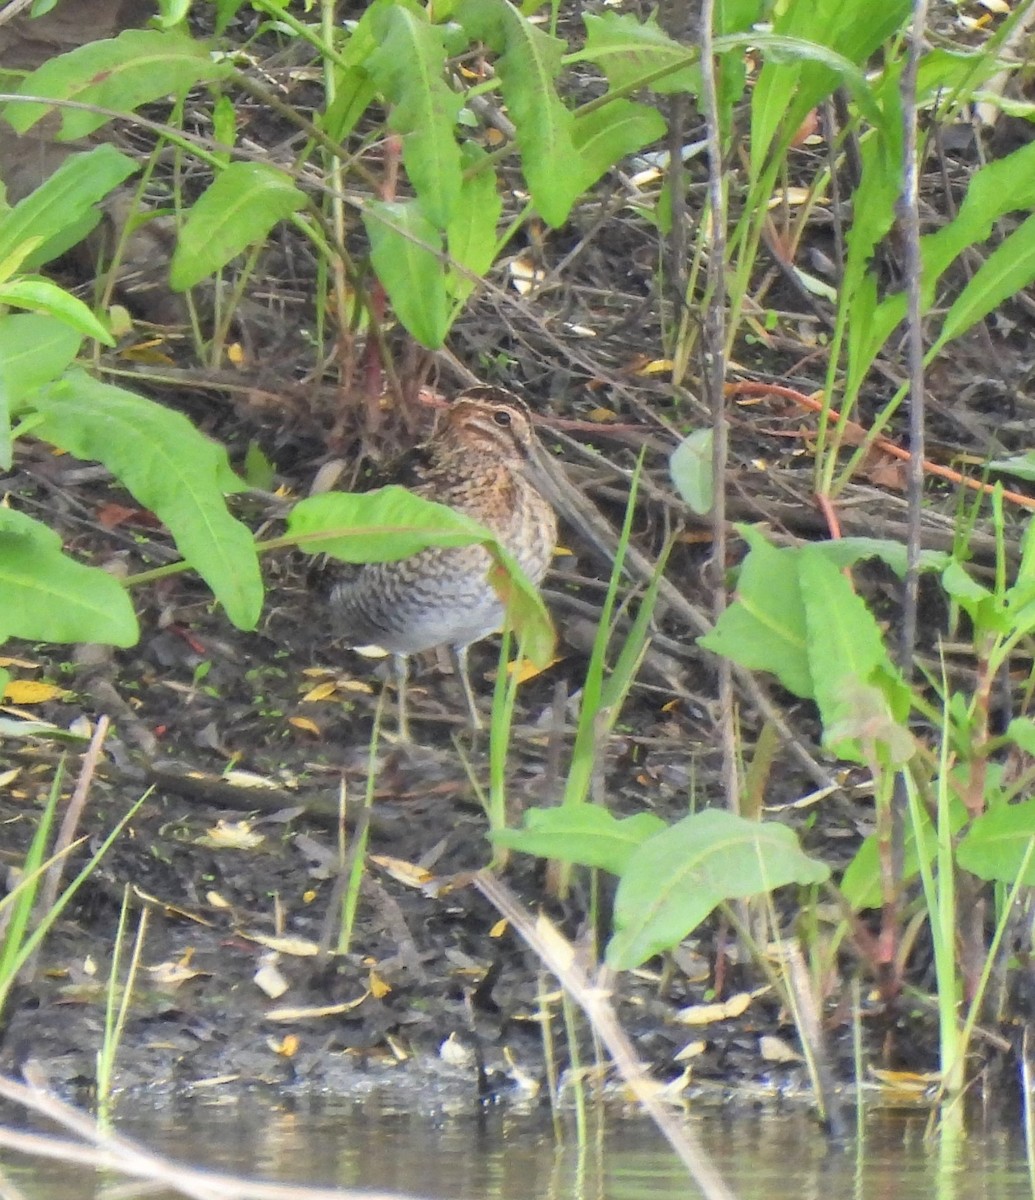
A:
(477, 463)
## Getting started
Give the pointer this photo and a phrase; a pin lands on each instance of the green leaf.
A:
(1021, 466)
(33, 351)
(845, 647)
(606, 135)
(1021, 730)
(527, 69)
(846, 552)
(634, 54)
(241, 206)
(60, 212)
(690, 466)
(581, 833)
(409, 69)
(40, 295)
(764, 628)
(1006, 271)
(47, 596)
(120, 74)
(171, 469)
(676, 878)
(998, 845)
(471, 236)
(406, 250)
(392, 523)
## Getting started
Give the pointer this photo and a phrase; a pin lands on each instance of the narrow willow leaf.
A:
(47, 596)
(527, 68)
(171, 469)
(1009, 268)
(138, 66)
(241, 206)
(61, 211)
(409, 69)
(471, 236)
(406, 250)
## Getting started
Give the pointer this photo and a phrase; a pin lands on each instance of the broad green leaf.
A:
(606, 135)
(999, 844)
(354, 93)
(471, 236)
(690, 466)
(34, 350)
(846, 552)
(634, 54)
(406, 250)
(581, 833)
(392, 523)
(353, 88)
(861, 884)
(978, 602)
(1021, 466)
(61, 211)
(6, 441)
(42, 296)
(138, 66)
(764, 628)
(845, 647)
(241, 206)
(676, 878)
(171, 469)
(47, 596)
(1022, 731)
(409, 69)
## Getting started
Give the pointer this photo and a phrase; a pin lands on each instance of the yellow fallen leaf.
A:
(602, 416)
(406, 873)
(525, 669)
(378, 987)
(297, 947)
(30, 691)
(657, 366)
(322, 691)
(305, 724)
(322, 1010)
(500, 928)
(708, 1014)
(231, 835)
(287, 1047)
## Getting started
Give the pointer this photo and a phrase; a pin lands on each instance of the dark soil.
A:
(248, 746)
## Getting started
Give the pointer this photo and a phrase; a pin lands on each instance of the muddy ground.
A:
(245, 744)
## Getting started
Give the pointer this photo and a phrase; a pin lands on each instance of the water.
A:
(513, 1156)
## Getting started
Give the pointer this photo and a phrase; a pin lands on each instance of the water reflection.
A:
(512, 1155)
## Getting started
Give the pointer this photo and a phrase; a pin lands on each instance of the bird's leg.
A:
(401, 665)
(459, 656)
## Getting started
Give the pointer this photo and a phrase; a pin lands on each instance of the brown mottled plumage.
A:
(476, 463)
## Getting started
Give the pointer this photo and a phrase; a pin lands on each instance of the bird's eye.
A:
(501, 417)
